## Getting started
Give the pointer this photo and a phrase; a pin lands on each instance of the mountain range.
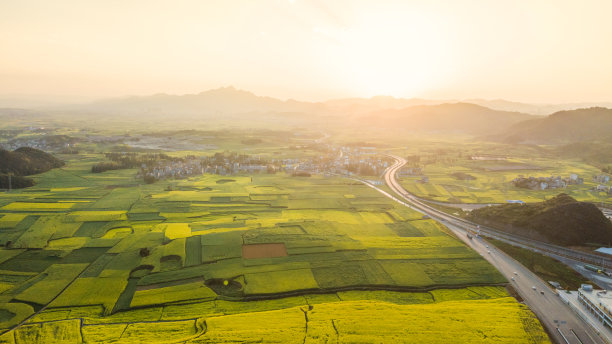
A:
(495, 120)
(227, 100)
(232, 100)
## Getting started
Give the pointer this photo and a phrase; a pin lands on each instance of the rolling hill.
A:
(228, 102)
(461, 118)
(25, 161)
(592, 124)
(22, 162)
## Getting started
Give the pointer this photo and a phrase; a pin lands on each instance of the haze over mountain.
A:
(592, 124)
(462, 118)
(477, 117)
(534, 109)
(233, 100)
(225, 100)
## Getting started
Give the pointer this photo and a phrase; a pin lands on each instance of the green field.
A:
(439, 316)
(492, 183)
(107, 255)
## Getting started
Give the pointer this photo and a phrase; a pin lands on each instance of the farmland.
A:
(491, 181)
(353, 316)
(104, 257)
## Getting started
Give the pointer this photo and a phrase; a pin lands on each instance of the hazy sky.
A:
(525, 50)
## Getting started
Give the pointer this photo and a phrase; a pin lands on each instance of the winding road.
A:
(563, 325)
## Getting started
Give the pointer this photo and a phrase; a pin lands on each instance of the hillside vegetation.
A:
(561, 220)
(26, 161)
(22, 162)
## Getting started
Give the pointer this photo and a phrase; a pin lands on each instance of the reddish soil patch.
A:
(264, 250)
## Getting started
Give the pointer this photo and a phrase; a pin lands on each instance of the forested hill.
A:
(561, 220)
(22, 162)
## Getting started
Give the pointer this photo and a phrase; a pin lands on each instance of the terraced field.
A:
(102, 258)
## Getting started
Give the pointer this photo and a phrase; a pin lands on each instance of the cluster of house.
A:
(195, 166)
(602, 179)
(337, 161)
(232, 164)
(410, 171)
(41, 143)
(543, 183)
(351, 160)
(603, 188)
(171, 169)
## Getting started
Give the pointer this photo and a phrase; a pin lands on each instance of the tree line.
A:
(123, 160)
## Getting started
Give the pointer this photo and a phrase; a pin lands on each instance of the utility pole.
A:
(9, 177)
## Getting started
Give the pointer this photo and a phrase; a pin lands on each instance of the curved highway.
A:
(563, 325)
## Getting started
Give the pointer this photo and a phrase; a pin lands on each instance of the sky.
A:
(539, 51)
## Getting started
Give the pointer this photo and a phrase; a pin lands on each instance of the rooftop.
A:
(601, 298)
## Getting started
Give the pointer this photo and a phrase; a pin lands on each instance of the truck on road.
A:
(594, 268)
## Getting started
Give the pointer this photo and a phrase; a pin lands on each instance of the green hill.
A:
(22, 162)
(561, 220)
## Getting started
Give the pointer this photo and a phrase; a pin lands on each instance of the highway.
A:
(563, 325)
(540, 246)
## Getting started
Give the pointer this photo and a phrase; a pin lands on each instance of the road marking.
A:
(593, 340)
(575, 335)
(561, 333)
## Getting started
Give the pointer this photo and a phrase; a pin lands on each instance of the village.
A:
(552, 182)
(347, 161)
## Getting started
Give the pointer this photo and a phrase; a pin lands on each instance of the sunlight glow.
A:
(311, 50)
(390, 53)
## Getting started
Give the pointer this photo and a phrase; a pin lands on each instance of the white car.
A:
(534, 288)
(516, 273)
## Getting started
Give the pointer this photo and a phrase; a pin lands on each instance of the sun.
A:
(387, 53)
